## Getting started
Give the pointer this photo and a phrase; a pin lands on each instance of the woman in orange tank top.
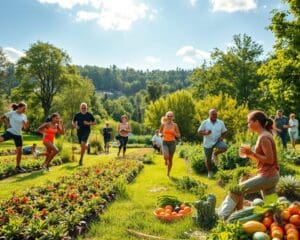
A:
(49, 130)
(170, 132)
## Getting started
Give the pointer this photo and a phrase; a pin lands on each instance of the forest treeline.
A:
(233, 80)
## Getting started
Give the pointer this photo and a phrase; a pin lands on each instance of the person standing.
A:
(83, 121)
(267, 166)
(170, 132)
(49, 129)
(17, 121)
(124, 129)
(107, 131)
(213, 131)
(157, 141)
(293, 129)
(282, 125)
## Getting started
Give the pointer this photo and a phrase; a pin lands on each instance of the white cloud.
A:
(86, 16)
(192, 55)
(109, 14)
(233, 5)
(65, 3)
(13, 54)
(193, 2)
(152, 60)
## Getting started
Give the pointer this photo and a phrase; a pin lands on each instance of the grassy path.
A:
(136, 212)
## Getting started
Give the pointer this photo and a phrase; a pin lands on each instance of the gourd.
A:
(251, 227)
(244, 215)
(206, 216)
(260, 236)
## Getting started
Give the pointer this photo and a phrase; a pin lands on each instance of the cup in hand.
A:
(245, 146)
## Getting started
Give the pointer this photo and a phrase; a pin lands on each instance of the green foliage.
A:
(230, 112)
(231, 159)
(182, 104)
(120, 189)
(140, 139)
(288, 186)
(191, 185)
(233, 175)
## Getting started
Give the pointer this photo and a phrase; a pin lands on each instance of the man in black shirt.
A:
(107, 136)
(282, 125)
(82, 121)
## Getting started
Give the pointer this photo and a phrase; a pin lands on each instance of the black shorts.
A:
(106, 139)
(17, 138)
(83, 136)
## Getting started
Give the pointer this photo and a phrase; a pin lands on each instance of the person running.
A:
(157, 141)
(83, 121)
(293, 130)
(17, 121)
(170, 132)
(282, 125)
(267, 166)
(49, 129)
(124, 129)
(107, 131)
(213, 131)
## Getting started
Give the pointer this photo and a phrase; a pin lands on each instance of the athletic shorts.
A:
(293, 135)
(258, 183)
(83, 136)
(169, 147)
(209, 151)
(17, 138)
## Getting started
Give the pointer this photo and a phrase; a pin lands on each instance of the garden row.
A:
(62, 209)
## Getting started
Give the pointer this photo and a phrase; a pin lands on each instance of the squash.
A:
(260, 236)
(251, 227)
(258, 202)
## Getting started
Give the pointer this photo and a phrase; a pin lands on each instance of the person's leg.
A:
(172, 148)
(283, 139)
(220, 148)
(18, 156)
(19, 144)
(125, 145)
(166, 152)
(83, 145)
(52, 151)
(208, 155)
(121, 143)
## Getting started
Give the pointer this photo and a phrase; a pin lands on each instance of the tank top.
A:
(49, 134)
(169, 133)
(267, 169)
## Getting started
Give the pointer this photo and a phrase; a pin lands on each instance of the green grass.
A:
(137, 212)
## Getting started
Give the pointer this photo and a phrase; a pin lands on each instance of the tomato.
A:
(182, 206)
(292, 230)
(292, 236)
(294, 208)
(267, 221)
(168, 210)
(169, 207)
(277, 233)
(181, 212)
(295, 219)
(187, 210)
(174, 213)
(288, 226)
(274, 224)
(285, 214)
(159, 210)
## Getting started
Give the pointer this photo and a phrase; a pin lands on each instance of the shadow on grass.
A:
(30, 176)
(69, 167)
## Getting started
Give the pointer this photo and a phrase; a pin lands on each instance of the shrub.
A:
(140, 139)
(191, 185)
(96, 142)
(233, 176)
(66, 155)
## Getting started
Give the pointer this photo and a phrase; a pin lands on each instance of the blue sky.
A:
(143, 34)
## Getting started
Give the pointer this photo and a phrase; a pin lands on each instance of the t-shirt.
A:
(217, 128)
(107, 133)
(280, 122)
(16, 121)
(156, 140)
(81, 117)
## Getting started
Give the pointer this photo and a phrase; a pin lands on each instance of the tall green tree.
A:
(281, 72)
(3, 70)
(233, 71)
(182, 104)
(41, 71)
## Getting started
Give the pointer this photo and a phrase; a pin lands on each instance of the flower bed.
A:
(62, 209)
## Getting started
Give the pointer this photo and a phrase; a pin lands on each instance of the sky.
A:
(141, 34)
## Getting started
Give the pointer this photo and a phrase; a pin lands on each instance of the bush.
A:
(96, 141)
(231, 159)
(191, 185)
(140, 139)
(233, 176)
(66, 155)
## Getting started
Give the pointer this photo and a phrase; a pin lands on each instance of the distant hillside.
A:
(129, 81)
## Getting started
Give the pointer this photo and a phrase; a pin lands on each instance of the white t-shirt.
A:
(295, 125)
(16, 121)
(217, 128)
(156, 140)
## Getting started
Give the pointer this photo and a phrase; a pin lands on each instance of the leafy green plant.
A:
(288, 186)
(191, 185)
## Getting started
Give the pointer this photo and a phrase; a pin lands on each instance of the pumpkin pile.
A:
(170, 209)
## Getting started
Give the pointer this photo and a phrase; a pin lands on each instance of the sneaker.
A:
(215, 159)
(20, 170)
(80, 162)
(210, 175)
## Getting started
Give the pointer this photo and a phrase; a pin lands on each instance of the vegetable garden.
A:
(96, 202)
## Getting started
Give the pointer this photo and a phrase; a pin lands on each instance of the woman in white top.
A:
(124, 129)
(293, 129)
(17, 121)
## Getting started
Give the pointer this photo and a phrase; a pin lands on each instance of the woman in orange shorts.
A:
(170, 132)
(49, 129)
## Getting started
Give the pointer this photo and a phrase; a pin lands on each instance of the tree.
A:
(232, 72)
(281, 72)
(154, 90)
(3, 70)
(42, 70)
(182, 104)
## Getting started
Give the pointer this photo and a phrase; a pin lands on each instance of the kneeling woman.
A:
(266, 163)
(49, 129)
